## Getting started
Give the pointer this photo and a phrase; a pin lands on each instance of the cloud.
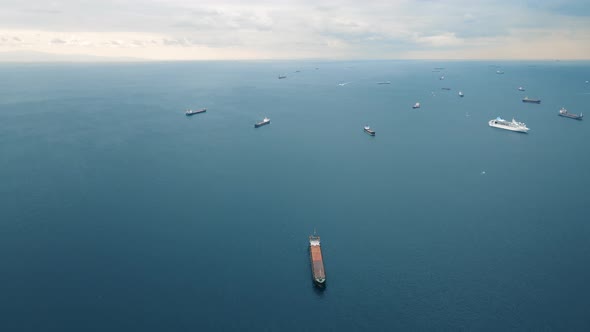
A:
(42, 11)
(10, 40)
(469, 18)
(175, 42)
(281, 29)
(443, 40)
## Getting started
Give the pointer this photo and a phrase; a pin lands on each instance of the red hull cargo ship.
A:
(317, 263)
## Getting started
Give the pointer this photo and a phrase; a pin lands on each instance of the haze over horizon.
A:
(264, 29)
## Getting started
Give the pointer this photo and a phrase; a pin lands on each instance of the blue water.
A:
(119, 213)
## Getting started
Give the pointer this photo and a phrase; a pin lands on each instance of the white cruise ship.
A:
(509, 125)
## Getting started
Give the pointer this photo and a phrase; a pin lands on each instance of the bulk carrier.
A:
(529, 100)
(317, 263)
(369, 131)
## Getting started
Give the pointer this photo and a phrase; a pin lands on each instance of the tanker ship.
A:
(317, 263)
(193, 112)
(565, 113)
(265, 121)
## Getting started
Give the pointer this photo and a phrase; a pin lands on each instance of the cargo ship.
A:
(317, 263)
(193, 112)
(369, 131)
(265, 121)
(565, 113)
(529, 100)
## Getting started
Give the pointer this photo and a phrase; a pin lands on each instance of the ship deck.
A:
(317, 262)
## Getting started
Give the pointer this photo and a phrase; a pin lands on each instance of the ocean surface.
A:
(119, 213)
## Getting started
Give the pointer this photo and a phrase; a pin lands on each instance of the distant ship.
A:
(384, 82)
(441, 78)
(461, 94)
(343, 84)
(508, 125)
(446, 89)
(369, 131)
(193, 112)
(499, 72)
(520, 88)
(282, 76)
(565, 113)
(416, 105)
(317, 261)
(529, 100)
(265, 121)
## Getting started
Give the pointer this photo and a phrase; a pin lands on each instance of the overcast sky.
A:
(280, 29)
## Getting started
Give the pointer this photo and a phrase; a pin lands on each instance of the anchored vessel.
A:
(193, 112)
(508, 125)
(416, 105)
(530, 100)
(499, 72)
(461, 94)
(369, 131)
(565, 113)
(317, 263)
(265, 121)
(520, 88)
(282, 76)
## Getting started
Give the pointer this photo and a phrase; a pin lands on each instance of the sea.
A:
(120, 213)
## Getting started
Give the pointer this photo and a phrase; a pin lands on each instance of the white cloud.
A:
(230, 29)
(57, 41)
(443, 40)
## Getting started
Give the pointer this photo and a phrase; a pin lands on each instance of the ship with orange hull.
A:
(317, 262)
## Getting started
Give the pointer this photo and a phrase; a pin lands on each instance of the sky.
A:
(298, 29)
